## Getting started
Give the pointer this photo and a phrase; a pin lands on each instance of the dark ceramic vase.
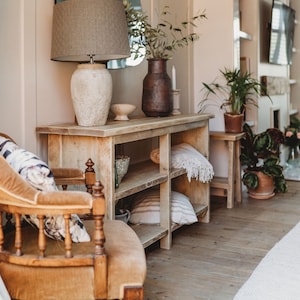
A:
(157, 90)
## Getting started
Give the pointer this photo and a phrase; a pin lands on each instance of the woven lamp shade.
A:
(84, 28)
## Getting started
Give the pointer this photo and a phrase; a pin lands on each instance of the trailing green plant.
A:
(236, 90)
(162, 40)
(260, 152)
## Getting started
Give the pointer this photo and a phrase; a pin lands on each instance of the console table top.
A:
(113, 128)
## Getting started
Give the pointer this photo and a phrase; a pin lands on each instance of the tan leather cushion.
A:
(126, 266)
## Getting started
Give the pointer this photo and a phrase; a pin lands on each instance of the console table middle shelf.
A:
(70, 145)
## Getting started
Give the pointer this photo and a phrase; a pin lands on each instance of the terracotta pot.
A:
(265, 189)
(157, 90)
(233, 123)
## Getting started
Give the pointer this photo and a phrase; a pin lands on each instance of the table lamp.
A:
(90, 32)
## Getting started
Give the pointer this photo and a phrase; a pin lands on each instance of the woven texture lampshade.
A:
(89, 31)
(89, 27)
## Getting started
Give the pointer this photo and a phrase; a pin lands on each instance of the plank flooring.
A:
(211, 261)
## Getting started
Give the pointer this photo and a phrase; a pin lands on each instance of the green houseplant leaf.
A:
(250, 180)
(162, 40)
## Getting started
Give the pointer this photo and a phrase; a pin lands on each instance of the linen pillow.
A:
(39, 175)
(146, 209)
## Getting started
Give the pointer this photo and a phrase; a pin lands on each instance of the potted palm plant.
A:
(263, 174)
(158, 43)
(236, 90)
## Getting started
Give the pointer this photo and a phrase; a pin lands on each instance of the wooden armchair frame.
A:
(20, 267)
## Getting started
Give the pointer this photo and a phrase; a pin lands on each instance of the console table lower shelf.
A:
(149, 234)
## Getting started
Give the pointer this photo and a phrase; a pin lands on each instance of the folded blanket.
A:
(185, 156)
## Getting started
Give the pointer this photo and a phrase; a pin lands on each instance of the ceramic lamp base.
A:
(91, 90)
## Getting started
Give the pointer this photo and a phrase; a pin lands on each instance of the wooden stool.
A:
(232, 185)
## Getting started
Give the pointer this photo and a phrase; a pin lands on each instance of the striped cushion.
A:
(146, 209)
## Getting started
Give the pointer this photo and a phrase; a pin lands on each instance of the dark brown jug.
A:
(157, 90)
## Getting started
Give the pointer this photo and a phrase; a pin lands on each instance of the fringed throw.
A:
(185, 156)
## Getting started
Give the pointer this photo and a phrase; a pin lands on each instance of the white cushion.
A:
(146, 209)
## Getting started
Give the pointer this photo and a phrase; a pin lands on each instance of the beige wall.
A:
(11, 77)
(214, 51)
(33, 89)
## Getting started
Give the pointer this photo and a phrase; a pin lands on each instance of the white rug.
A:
(292, 173)
(3, 291)
(292, 170)
(277, 277)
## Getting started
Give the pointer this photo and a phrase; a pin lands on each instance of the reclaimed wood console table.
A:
(69, 145)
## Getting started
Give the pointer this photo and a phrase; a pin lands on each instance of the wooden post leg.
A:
(238, 182)
(165, 191)
(231, 179)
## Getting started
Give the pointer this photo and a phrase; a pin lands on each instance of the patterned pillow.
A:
(29, 166)
(39, 175)
(146, 209)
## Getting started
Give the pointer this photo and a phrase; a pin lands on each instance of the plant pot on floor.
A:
(233, 123)
(265, 189)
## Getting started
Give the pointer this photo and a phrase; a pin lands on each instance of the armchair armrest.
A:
(74, 176)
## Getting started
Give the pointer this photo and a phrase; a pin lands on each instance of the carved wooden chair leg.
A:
(18, 235)
(42, 237)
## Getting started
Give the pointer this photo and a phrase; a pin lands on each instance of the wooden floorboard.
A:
(211, 261)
